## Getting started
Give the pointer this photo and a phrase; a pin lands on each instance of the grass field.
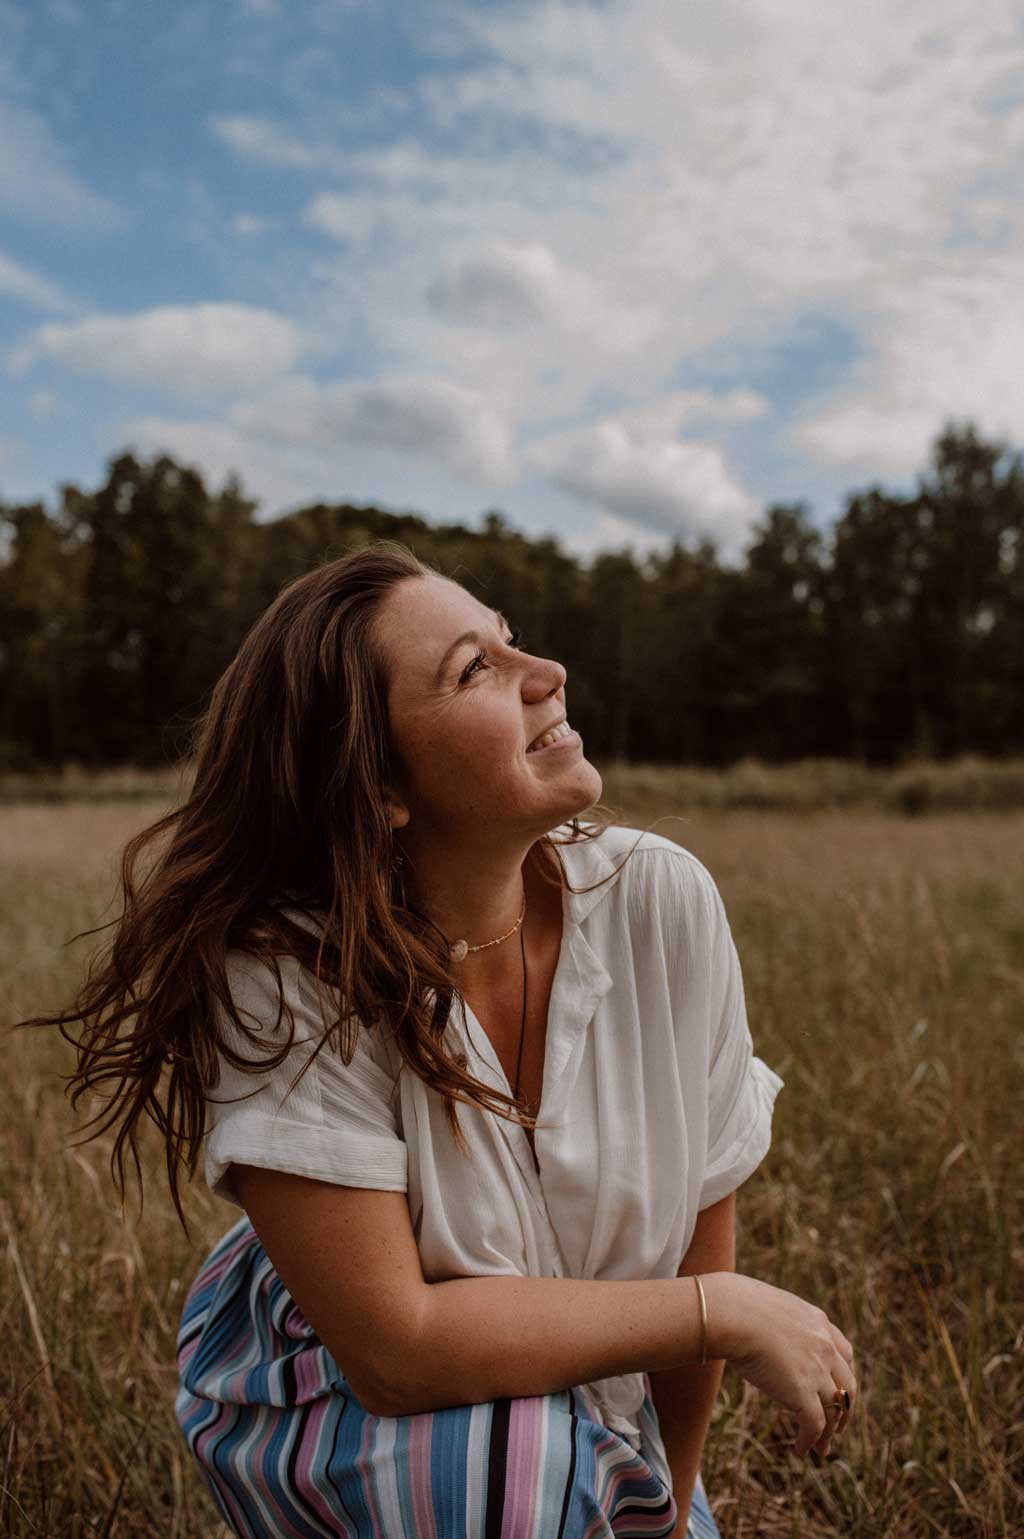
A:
(883, 959)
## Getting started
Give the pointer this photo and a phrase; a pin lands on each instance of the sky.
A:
(628, 272)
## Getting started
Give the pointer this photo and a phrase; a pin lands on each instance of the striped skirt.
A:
(287, 1451)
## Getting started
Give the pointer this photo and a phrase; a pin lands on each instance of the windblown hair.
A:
(286, 811)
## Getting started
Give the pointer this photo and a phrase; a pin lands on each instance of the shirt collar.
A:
(586, 862)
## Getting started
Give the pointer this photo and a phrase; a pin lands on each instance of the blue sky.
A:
(627, 272)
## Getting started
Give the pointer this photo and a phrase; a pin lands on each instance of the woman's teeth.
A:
(562, 730)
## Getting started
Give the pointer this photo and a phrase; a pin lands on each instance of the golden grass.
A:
(966, 784)
(883, 960)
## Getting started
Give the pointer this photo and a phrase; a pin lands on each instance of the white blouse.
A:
(654, 1105)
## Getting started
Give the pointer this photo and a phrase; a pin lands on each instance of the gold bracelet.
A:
(703, 1321)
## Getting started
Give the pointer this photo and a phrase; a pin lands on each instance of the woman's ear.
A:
(398, 812)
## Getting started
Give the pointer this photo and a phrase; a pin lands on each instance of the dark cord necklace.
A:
(522, 1023)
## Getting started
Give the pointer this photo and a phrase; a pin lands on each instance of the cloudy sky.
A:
(628, 271)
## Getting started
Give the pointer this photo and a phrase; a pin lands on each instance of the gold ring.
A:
(841, 1404)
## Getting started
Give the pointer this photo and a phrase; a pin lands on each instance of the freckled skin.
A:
(468, 802)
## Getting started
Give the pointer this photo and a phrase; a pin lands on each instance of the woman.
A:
(378, 902)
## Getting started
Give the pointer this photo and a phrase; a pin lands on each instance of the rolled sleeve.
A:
(273, 1143)
(745, 1137)
(335, 1124)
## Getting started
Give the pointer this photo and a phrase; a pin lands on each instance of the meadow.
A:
(879, 919)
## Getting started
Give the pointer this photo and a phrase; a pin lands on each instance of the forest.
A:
(896, 634)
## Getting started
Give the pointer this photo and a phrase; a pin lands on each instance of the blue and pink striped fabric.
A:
(288, 1452)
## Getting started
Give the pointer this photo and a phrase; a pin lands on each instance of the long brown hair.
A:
(286, 811)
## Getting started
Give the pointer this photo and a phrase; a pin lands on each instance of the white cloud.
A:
(190, 349)
(42, 404)
(602, 200)
(21, 283)
(343, 218)
(637, 187)
(278, 477)
(36, 180)
(665, 416)
(284, 474)
(606, 531)
(501, 285)
(951, 347)
(678, 487)
(249, 224)
(635, 470)
(259, 140)
(304, 441)
(431, 419)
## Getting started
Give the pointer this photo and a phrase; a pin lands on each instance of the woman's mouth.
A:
(562, 736)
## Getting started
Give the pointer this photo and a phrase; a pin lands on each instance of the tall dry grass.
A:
(968, 783)
(883, 958)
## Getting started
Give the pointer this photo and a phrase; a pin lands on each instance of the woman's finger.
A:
(842, 1344)
(842, 1380)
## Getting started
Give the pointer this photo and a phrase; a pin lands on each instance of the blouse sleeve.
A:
(741, 1087)
(336, 1124)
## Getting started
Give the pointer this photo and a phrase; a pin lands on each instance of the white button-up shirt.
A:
(654, 1105)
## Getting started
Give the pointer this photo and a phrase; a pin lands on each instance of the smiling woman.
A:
(376, 910)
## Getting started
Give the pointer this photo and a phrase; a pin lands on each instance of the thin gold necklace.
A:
(459, 950)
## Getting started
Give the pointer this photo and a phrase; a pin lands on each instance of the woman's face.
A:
(463, 712)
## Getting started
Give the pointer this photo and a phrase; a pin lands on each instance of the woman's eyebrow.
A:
(468, 636)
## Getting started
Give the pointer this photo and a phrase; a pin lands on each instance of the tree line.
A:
(898, 633)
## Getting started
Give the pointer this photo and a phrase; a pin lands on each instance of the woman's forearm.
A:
(685, 1399)
(503, 1336)
(684, 1395)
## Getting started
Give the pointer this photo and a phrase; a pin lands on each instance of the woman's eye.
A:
(479, 660)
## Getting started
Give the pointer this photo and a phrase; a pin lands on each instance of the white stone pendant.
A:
(459, 950)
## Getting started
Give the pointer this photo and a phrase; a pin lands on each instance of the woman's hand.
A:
(786, 1347)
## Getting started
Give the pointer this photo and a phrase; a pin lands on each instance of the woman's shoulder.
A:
(638, 877)
(655, 859)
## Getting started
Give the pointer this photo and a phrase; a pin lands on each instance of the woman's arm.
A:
(685, 1396)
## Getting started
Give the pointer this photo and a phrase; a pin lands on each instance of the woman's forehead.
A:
(433, 613)
(424, 628)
